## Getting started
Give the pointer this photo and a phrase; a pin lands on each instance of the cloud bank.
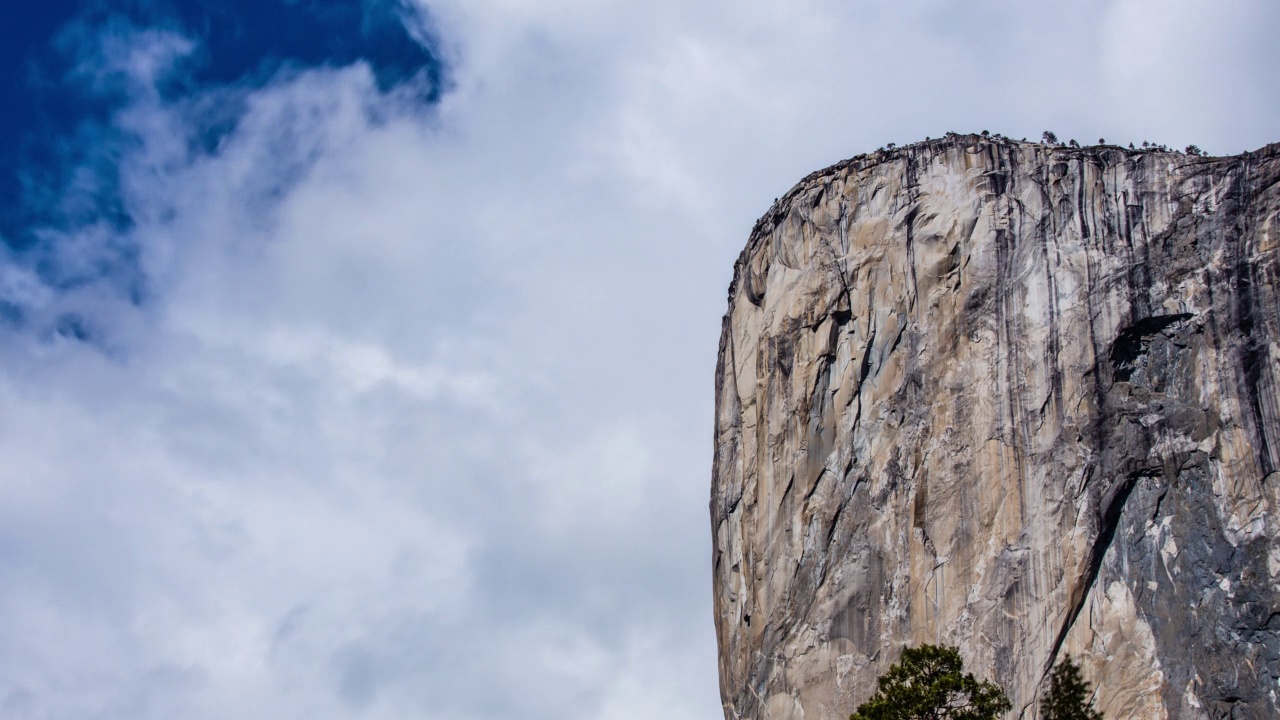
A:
(375, 407)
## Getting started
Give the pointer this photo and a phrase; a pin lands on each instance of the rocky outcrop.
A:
(1017, 398)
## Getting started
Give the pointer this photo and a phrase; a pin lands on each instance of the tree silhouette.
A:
(928, 683)
(1068, 696)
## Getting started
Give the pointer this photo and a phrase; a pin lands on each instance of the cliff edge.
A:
(1013, 397)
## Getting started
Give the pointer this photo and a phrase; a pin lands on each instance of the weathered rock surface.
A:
(1017, 398)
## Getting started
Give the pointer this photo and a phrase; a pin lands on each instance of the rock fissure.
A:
(1108, 523)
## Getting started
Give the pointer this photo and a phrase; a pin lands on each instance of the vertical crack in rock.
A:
(1108, 521)
(1013, 397)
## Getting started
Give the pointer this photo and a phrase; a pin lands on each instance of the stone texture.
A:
(1017, 398)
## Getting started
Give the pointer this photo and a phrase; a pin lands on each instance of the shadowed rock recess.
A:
(1013, 397)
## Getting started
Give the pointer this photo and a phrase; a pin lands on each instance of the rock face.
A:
(1016, 398)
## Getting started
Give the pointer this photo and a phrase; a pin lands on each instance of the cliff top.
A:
(1104, 154)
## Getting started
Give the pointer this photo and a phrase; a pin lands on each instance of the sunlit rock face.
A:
(1016, 398)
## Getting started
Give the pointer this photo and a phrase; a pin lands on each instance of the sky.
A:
(356, 357)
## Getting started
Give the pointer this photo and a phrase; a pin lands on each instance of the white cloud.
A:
(415, 416)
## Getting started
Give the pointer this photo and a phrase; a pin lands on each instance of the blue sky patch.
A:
(57, 127)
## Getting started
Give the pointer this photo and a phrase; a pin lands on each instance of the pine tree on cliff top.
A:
(1068, 696)
(929, 683)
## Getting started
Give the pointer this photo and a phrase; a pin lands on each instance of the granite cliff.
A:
(1014, 397)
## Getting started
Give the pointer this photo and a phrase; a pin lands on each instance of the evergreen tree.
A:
(929, 683)
(1068, 696)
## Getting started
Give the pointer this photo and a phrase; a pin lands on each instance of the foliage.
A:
(1048, 138)
(928, 683)
(1068, 696)
(1195, 150)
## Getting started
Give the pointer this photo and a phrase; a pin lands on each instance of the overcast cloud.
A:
(404, 410)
